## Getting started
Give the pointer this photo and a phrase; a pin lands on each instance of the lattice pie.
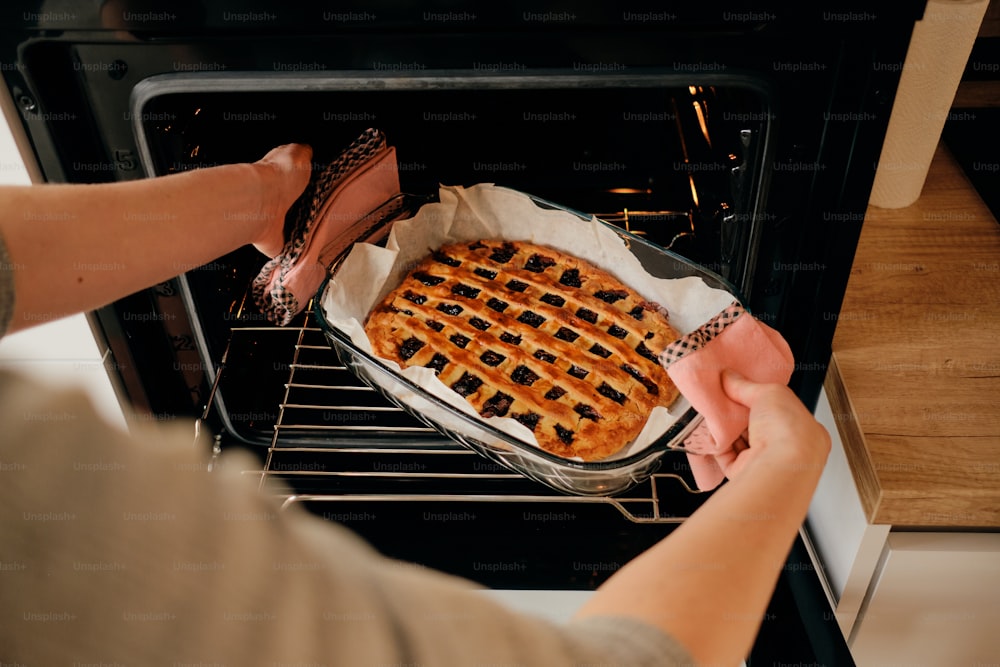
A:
(528, 332)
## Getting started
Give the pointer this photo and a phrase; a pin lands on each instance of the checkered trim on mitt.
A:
(701, 336)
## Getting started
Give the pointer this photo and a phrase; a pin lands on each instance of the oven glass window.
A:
(669, 163)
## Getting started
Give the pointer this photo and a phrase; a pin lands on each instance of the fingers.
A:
(289, 155)
(776, 414)
(734, 460)
(747, 392)
(288, 149)
(293, 164)
(738, 388)
(284, 174)
(299, 153)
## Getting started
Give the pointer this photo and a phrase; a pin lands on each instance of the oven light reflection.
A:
(628, 227)
(237, 306)
(629, 191)
(700, 112)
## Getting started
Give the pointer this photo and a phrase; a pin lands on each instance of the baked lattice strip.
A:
(528, 332)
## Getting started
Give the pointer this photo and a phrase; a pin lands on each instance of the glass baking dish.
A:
(593, 478)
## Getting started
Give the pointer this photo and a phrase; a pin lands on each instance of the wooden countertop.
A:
(914, 382)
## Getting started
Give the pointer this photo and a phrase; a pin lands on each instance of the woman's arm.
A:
(79, 247)
(708, 584)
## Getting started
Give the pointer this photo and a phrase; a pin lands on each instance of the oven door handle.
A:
(206, 413)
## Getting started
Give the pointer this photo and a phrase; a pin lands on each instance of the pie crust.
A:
(528, 332)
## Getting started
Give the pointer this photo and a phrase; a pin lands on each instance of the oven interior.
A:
(671, 160)
(674, 159)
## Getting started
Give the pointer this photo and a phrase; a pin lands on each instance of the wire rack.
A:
(335, 440)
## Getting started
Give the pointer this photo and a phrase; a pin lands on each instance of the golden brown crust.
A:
(528, 332)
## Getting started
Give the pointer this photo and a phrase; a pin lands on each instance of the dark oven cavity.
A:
(675, 162)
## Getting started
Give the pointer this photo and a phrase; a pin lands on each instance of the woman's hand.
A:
(782, 432)
(284, 173)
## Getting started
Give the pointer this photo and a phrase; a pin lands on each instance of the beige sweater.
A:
(122, 550)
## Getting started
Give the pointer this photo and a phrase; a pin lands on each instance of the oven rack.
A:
(335, 440)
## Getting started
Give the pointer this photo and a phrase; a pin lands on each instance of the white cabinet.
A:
(913, 598)
(934, 600)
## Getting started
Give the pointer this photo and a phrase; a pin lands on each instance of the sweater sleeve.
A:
(6, 288)
(122, 549)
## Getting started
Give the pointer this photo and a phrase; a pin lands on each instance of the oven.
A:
(743, 139)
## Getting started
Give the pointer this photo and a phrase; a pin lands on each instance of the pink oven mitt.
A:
(736, 340)
(323, 221)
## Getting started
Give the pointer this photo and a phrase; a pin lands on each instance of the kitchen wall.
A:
(61, 353)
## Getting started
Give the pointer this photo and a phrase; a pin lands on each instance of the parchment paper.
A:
(486, 211)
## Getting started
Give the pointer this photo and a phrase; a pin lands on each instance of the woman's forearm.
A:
(709, 583)
(78, 247)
